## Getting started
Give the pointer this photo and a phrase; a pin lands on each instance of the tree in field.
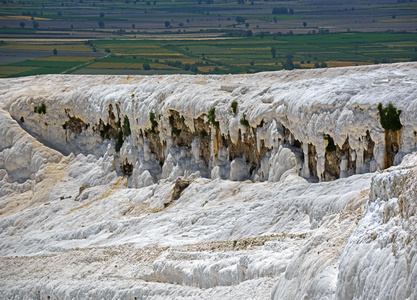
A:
(273, 52)
(22, 24)
(133, 26)
(102, 15)
(194, 69)
(288, 64)
(247, 25)
(101, 24)
(35, 24)
(167, 24)
(240, 19)
(146, 66)
(305, 24)
(55, 52)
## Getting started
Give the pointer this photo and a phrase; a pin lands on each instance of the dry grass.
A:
(161, 67)
(188, 60)
(333, 64)
(66, 58)
(111, 65)
(206, 68)
(76, 47)
(9, 70)
(251, 49)
(28, 18)
(400, 20)
(137, 66)
(403, 45)
(148, 53)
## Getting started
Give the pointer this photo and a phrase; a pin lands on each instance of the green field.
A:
(218, 56)
(201, 36)
(254, 54)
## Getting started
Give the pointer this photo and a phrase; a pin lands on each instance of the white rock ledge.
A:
(99, 200)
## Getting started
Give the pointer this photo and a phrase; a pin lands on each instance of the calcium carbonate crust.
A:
(96, 201)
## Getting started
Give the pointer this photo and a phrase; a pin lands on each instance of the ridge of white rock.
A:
(296, 110)
(134, 187)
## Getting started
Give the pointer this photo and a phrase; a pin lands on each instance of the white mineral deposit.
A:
(157, 187)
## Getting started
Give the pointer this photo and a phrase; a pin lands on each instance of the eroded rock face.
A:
(236, 160)
(137, 205)
(392, 146)
(75, 125)
(381, 252)
(331, 132)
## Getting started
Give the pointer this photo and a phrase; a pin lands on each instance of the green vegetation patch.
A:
(243, 121)
(40, 109)
(126, 126)
(234, 106)
(389, 117)
(331, 147)
(212, 117)
(228, 55)
(154, 123)
(119, 141)
(6, 71)
(40, 71)
(50, 64)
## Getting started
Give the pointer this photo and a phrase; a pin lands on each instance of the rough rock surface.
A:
(133, 187)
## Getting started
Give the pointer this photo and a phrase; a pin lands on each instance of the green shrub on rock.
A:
(41, 109)
(389, 117)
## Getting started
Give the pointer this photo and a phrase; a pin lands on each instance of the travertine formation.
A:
(239, 186)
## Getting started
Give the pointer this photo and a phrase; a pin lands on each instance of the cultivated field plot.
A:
(116, 18)
(7, 71)
(31, 47)
(267, 53)
(25, 59)
(242, 55)
(90, 71)
(66, 58)
(207, 36)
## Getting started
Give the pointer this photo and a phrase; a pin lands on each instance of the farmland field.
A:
(201, 36)
(73, 47)
(65, 58)
(127, 72)
(6, 71)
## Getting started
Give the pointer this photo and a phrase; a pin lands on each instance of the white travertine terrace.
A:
(191, 210)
